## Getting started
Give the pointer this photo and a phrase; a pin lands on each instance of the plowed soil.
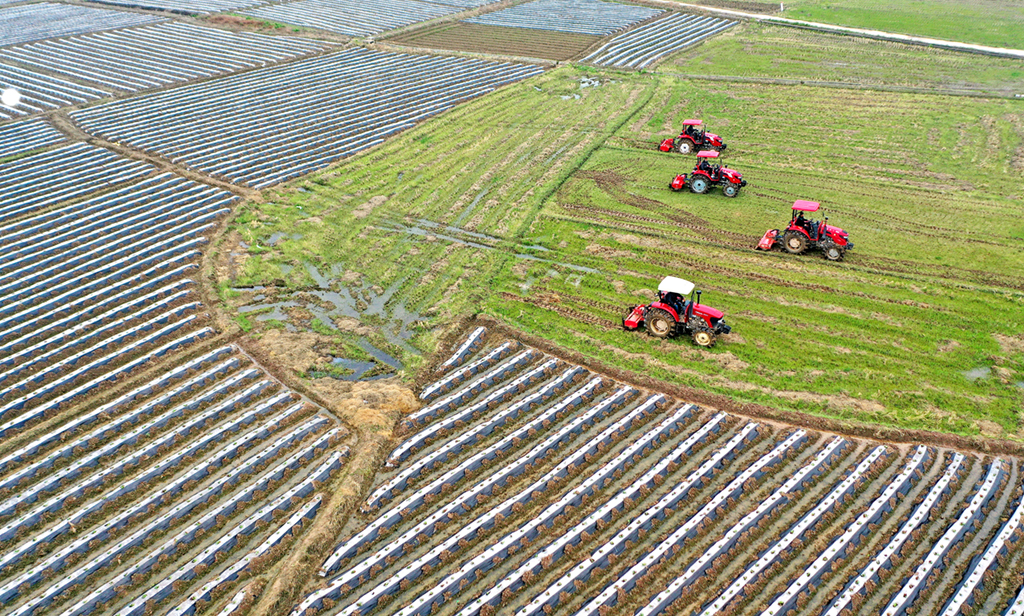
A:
(548, 45)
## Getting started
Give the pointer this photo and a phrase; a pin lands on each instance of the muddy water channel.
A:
(340, 306)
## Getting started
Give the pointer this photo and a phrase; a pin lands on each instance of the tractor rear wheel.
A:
(832, 252)
(699, 185)
(704, 338)
(731, 190)
(684, 147)
(660, 323)
(795, 243)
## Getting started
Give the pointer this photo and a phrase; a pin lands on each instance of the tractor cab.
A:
(812, 228)
(693, 129)
(703, 167)
(672, 292)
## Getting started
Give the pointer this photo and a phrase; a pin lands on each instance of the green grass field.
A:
(998, 23)
(761, 51)
(546, 205)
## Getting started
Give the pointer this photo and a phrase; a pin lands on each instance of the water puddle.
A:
(977, 373)
(384, 364)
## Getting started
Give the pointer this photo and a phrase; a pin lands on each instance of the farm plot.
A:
(532, 486)
(135, 500)
(184, 7)
(21, 137)
(160, 55)
(41, 180)
(32, 22)
(546, 44)
(92, 291)
(40, 92)
(594, 17)
(640, 47)
(266, 126)
(353, 17)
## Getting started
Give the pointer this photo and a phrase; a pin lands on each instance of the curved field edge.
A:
(543, 205)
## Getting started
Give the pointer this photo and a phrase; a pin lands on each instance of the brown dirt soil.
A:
(1010, 344)
(477, 38)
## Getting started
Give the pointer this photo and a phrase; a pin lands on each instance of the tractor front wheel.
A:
(794, 243)
(684, 147)
(731, 190)
(660, 323)
(699, 185)
(704, 338)
(832, 252)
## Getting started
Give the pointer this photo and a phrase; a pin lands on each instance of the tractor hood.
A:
(707, 311)
(731, 173)
(836, 232)
(713, 138)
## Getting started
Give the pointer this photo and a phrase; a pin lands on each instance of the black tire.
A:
(731, 190)
(684, 147)
(704, 337)
(794, 242)
(660, 323)
(699, 185)
(832, 252)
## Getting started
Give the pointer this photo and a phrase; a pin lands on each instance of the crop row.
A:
(646, 44)
(184, 7)
(42, 20)
(541, 501)
(466, 349)
(302, 116)
(353, 17)
(195, 439)
(594, 17)
(40, 92)
(41, 180)
(25, 136)
(162, 54)
(93, 285)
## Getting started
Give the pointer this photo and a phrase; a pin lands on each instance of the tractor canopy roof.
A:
(671, 284)
(692, 122)
(805, 206)
(707, 154)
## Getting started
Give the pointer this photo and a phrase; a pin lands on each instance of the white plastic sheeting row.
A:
(595, 17)
(1000, 545)
(451, 585)
(42, 20)
(778, 497)
(25, 136)
(79, 574)
(640, 47)
(806, 523)
(489, 378)
(268, 125)
(474, 435)
(304, 513)
(618, 504)
(361, 572)
(40, 92)
(600, 558)
(65, 430)
(42, 180)
(513, 468)
(882, 505)
(469, 346)
(353, 17)
(161, 54)
(471, 412)
(921, 514)
(906, 595)
(454, 378)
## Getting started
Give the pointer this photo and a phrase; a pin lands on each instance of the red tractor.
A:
(802, 235)
(705, 175)
(674, 315)
(692, 138)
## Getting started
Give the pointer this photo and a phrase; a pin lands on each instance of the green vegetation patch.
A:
(761, 51)
(547, 206)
